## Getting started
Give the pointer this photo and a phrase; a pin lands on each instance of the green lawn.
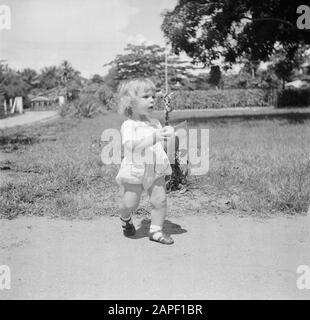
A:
(256, 167)
(265, 162)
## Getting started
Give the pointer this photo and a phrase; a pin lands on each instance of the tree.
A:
(146, 61)
(268, 79)
(11, 82)
(65, 73)
(99, 91)
(179, 75)
(30, 76)
(3, 69)
(284, 68)
(138, 61)
(111, 78)
(231, 29)
(49, 78)
(96, 78)
(12, 85)
(250, 66)
(69, 79)
(215, 76)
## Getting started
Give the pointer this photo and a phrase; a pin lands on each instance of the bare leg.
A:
(131, 199)
(158, 198)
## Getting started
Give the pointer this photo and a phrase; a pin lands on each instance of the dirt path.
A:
(27, 118)
(214, 257)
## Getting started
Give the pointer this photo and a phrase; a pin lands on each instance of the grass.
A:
(62, 166)
(266, 163)
(255, 167)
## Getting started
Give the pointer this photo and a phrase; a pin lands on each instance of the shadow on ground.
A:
(169, 227)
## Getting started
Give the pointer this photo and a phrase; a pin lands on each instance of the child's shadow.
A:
(169, 227)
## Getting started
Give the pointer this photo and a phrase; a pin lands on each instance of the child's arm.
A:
(139, 145)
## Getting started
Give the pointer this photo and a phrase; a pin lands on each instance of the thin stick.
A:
(166, 87)
(166, 70)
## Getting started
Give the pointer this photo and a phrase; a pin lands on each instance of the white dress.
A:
(146, 168)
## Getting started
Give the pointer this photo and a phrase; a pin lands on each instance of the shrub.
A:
(86, 106)
(293, 98)
(67, 109)
(94, 98)
(105, 95)
(216, 99)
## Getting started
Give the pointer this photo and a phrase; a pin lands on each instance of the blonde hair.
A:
(127, 92)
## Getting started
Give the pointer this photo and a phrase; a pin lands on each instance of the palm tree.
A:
(30, 76)
(70, 79)
(49, 78)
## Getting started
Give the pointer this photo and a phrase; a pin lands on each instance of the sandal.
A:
(162, 238)
(128, 229)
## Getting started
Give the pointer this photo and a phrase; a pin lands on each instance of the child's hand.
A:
(169, 130)
(162, 134)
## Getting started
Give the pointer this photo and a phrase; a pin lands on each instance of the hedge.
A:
(216, 99)
(290, 98)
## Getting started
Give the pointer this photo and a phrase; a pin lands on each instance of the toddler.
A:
(145, 163)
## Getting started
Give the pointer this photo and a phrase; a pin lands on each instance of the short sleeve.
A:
(157, 123)
(128, 131)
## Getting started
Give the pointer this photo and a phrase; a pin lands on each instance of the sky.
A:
(87, 33)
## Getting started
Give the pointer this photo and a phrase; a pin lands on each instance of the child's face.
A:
(144, 102)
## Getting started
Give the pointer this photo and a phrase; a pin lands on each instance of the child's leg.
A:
(158, 198)
(131, 199)
(130, 202)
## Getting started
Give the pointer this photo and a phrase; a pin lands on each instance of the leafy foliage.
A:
(30, 76)
(147, 61)
(96, 78)
(94, 98)
(11, 83)
(215, 76)
(216, 99)
(207, 30)
(49, 78)
(69, 79)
